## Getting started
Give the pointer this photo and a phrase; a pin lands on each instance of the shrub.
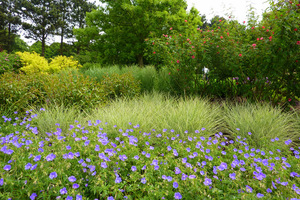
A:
(9, 62)
(19, 91)
(73, 89)
(34, 63)
(123, 85)
(62, 62)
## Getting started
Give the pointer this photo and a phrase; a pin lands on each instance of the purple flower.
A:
(207, 181)
(7, 167)
(118, 180)
(75, 186)
(143, 180)
(133, 168)
(110, 198)
(269, 190)
(63, 191)
(232, 176)
(37, 158)
(1, 181)
(249, 189)
(33, 167)
(50, 157)
(156, 167)
(175, 185)
(32, 196)
(259, 195)
(136, 157)
(177, 170)
(69, 198)
(28, 166)
(169, 178)
(177, 195)
(123, 157)
(72, 179)
(78, 197)
(53, 175)
(104, 165)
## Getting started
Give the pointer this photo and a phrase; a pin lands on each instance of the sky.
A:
(237, 9)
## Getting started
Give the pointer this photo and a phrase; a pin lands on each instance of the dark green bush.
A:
(9, 62)
(124, 85)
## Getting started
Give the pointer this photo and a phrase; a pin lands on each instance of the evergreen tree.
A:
(40, 19)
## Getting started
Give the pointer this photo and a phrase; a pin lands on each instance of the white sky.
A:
(224, 8)
(237, 9)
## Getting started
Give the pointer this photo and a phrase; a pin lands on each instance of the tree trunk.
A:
(43, 45)
(61, 41)
(140, 60)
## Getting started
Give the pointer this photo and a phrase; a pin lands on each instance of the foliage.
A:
(43, 17)
(124, 85)
(34, 63)
(137, 163)
(10, 21)
(258, 62)
(9, 62)
(146, 75)
(126, 24)
(19, 45)
(19, 91)
(62, 63)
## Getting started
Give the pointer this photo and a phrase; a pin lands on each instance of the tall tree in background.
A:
(41, 19)
(9, 23)
(119, 29)
(78, 15)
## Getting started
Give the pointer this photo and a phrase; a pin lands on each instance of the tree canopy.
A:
(118, 29)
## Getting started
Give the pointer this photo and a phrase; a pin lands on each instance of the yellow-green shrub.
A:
(124, 85)
(62, 62)
(33, 63)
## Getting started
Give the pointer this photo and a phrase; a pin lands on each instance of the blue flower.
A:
(207, 181)
(32, 196)
(28, 166)
(259, 195)
(143, 180)
(232, 176)
(249, 189)
(110, 198)
(175, 185)
(63, 191)
(69, 198)
(53, 175)
(78, 197)
(103, 165)
(37, 158)
(133, 168)
(7, 167)
(1, 181)
(269, 190)
(75, 186)
(177, 195)
(72, 179)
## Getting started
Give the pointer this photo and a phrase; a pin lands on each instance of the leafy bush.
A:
(18, 91)
(9, 62)
(123, 85)
(62, 62)
(34, 63)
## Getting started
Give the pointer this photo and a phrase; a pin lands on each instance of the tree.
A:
(78, 15)
(41, 19)
(118, 30)
(9, 23)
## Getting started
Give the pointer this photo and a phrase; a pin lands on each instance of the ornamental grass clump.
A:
(87, 162)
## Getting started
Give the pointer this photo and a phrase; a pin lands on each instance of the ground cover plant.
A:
(106, 156)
